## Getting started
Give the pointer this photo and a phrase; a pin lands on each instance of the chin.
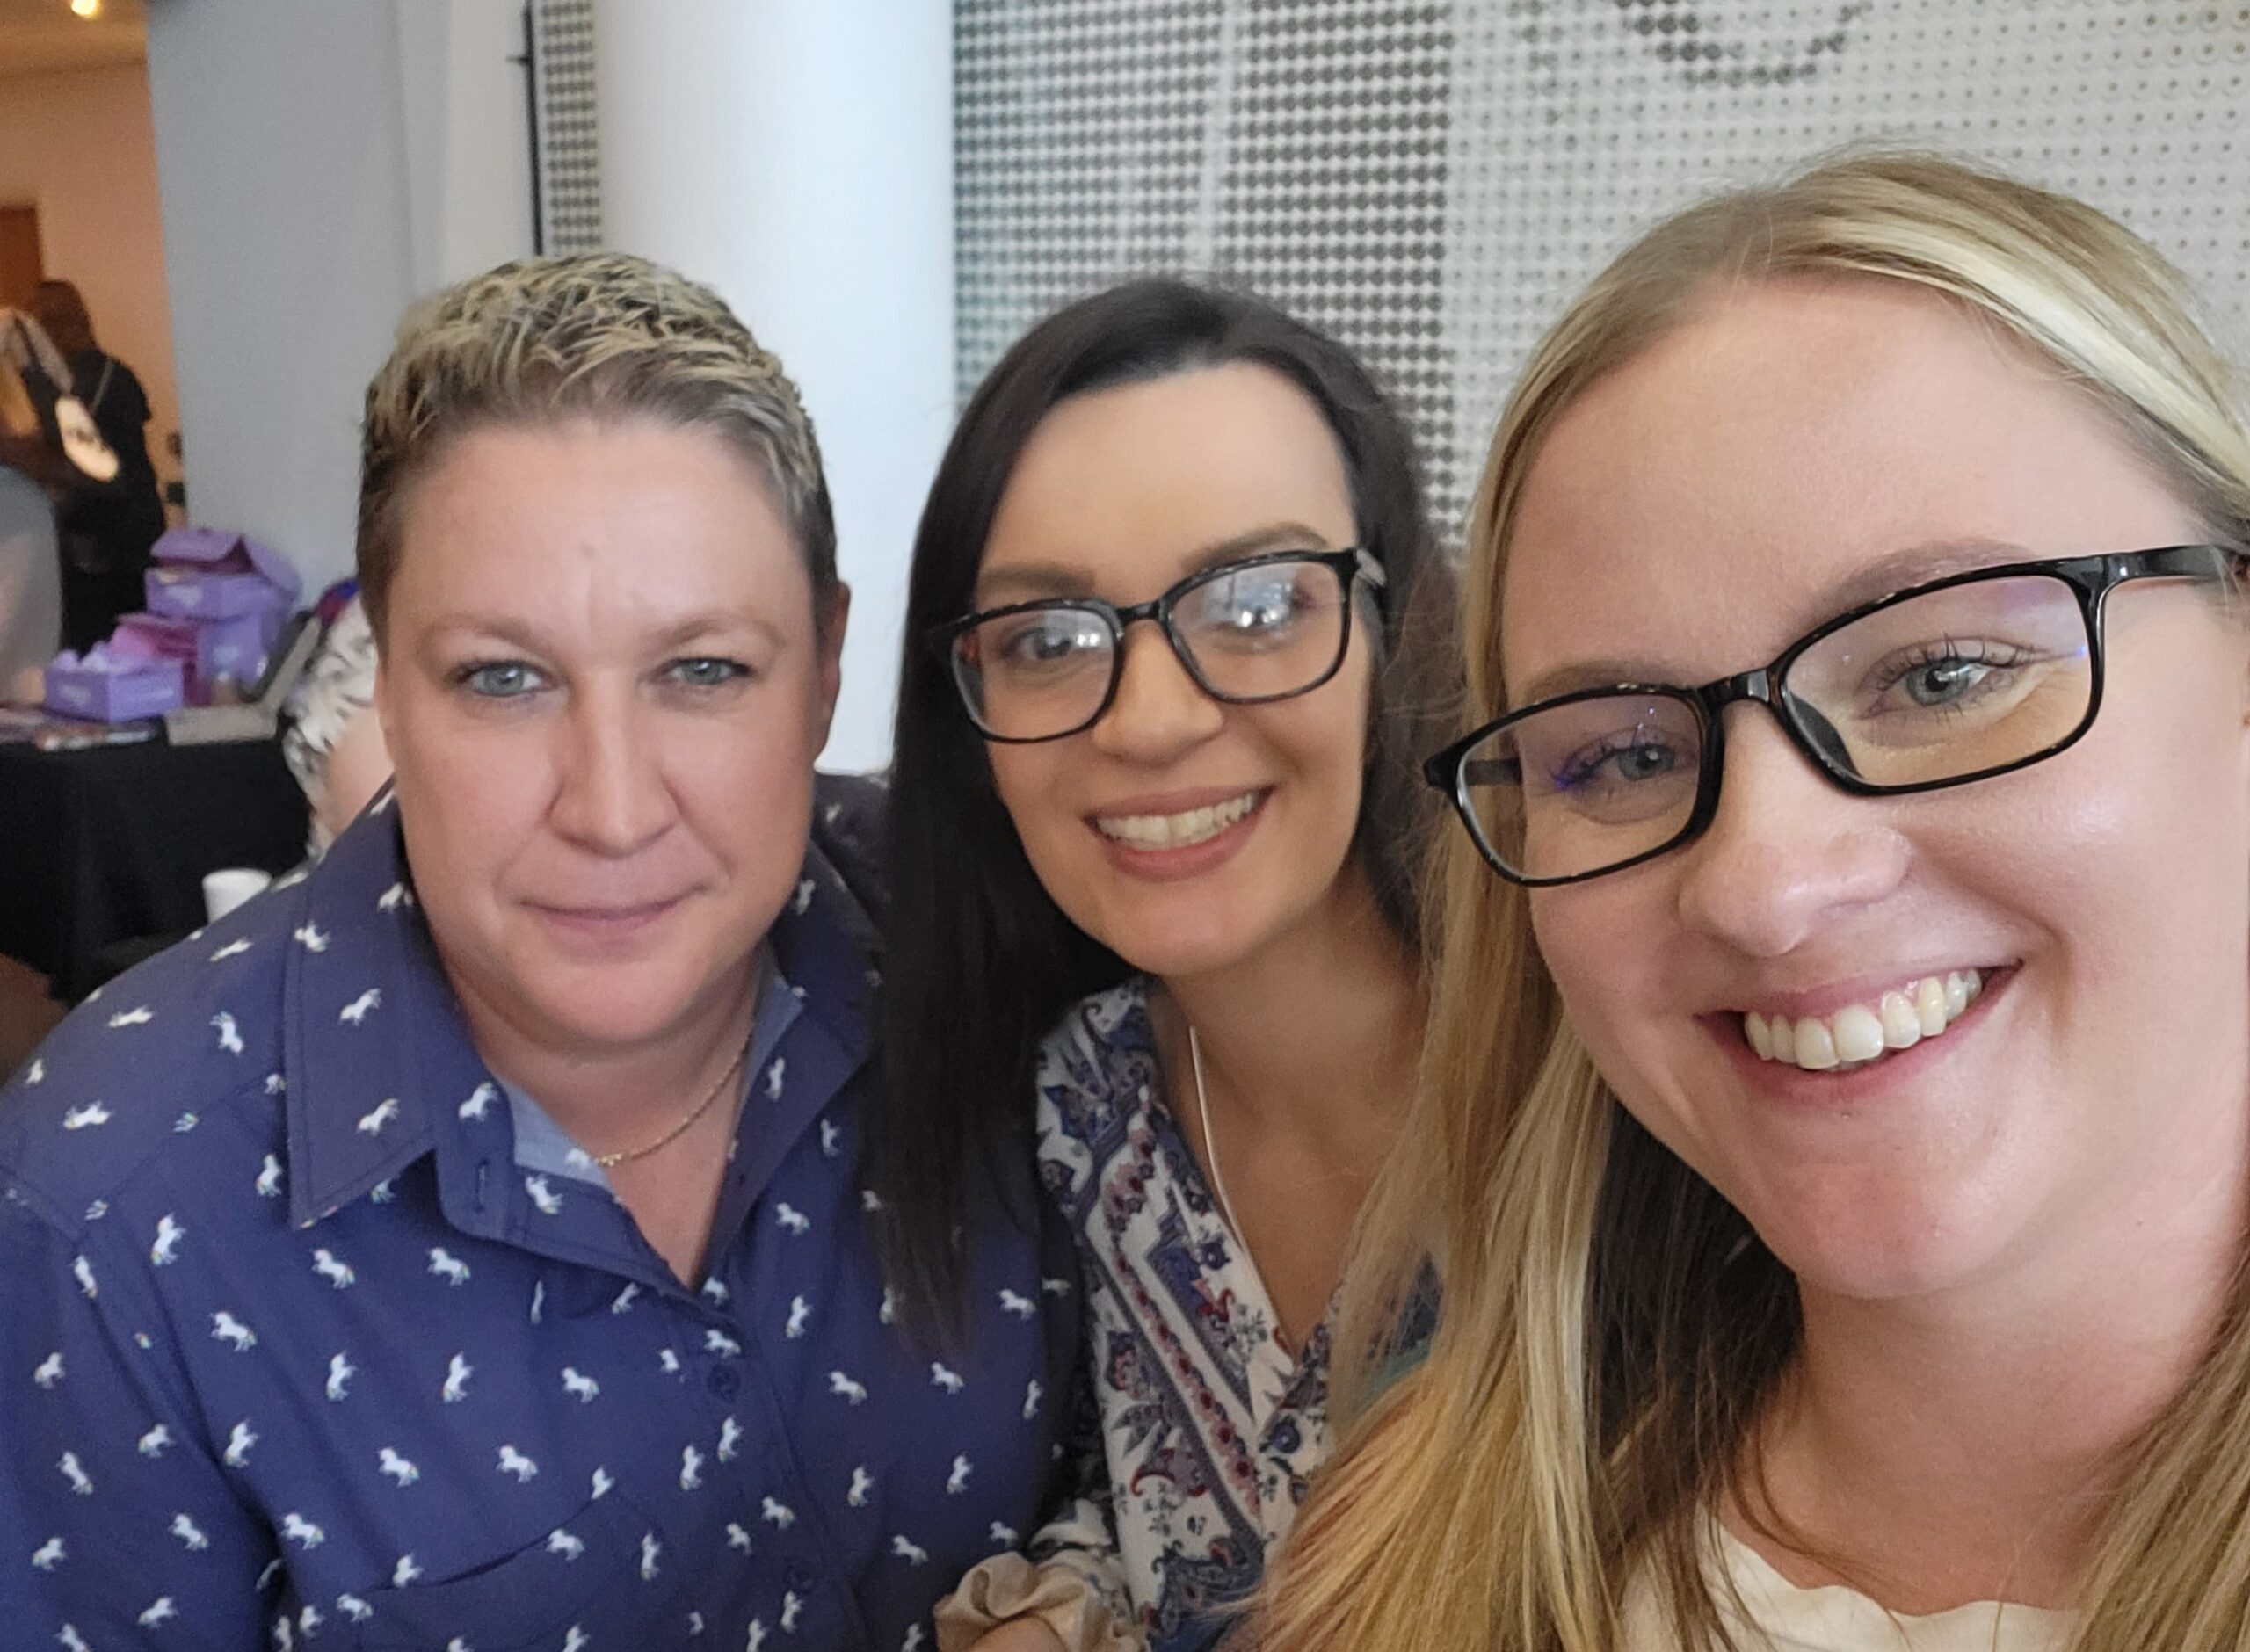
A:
(1882, 1252)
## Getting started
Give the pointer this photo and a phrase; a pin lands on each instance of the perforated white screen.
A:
(1432, 182)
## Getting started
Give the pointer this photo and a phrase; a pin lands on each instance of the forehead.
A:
(1733, 486)
(628, 518)
(1127, 483)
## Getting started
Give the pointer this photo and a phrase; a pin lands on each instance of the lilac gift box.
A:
(209, 574)
(114, 687)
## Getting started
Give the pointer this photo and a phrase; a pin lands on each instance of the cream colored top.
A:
(1834, 1619)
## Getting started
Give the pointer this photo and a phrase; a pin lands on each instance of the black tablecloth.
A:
(110, 845)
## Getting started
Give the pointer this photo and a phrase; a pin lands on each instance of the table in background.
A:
(107, 846)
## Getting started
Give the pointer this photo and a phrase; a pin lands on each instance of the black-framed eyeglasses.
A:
(1264, 628)
(1961, 679)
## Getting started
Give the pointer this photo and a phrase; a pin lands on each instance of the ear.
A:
(829, 626)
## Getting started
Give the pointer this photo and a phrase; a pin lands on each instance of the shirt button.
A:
(725, 1383)
(801, 1577)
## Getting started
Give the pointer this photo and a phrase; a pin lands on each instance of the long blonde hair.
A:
(1610, 1326)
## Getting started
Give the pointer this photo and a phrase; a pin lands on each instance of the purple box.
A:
(150, 637)
(233, 647)
(207, 573)
(114, 688)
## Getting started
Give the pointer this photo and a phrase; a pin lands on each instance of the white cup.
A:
(230, 886)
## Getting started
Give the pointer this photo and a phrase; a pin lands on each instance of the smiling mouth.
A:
(1860, 1034)
(1183, 830)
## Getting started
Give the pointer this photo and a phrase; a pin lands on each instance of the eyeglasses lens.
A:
(1939, 688)
(1265, 631)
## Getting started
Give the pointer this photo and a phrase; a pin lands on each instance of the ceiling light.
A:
(87, 8)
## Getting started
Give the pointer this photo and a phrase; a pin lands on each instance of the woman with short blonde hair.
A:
(1837, 1174)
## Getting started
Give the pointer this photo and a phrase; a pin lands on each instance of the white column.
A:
(797, 155)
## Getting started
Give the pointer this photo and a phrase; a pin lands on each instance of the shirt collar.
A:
(375, 1052)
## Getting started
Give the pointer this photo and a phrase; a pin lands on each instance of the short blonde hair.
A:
(602, 335)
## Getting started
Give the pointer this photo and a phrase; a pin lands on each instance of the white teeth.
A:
(1858, 1033)
(1753, 1028)
(1929, 1004)
(1815, 1048)
(1902, 1028)
(1176, 831)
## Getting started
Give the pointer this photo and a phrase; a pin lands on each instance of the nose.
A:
(1786, 852)
(1159, 711)
(611, 795)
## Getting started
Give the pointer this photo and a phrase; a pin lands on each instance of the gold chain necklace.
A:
(611, 1161)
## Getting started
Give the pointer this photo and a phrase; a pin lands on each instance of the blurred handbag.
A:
(82, 439)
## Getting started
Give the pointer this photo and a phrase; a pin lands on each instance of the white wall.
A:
(79, 145)
(798, 157)
(322, 166)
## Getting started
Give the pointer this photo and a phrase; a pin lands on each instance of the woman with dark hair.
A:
(1156, 879)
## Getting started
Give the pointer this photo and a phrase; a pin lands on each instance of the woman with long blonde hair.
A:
(1835, 1127)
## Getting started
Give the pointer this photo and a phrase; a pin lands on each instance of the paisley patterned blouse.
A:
(1203, 1425)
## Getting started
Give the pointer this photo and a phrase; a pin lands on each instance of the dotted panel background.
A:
(1433, 182)
(570, 150)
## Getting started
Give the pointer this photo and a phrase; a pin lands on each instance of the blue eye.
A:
(500, 679)
(704, 672)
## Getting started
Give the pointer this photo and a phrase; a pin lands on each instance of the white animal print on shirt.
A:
(691, 1469)
(269, 1178)
(309, 937)
(862, 1483)
(356, 1012)
(800, 1313)
(336, 1273)
(86, 1117)
(80, 1482)
(49, 1556)
(565, 1544)
(298, 1530)
(777, 1514)
(49, 1370)
(583, 1388)
(230, 1039)
(944, 1376)
(446, 1266)
(340, 1373)
(548, 1202)
(238, 1445)
(913, 1554)
(380, 1116)
(156, 1442)
(401, 1471)
(729, 1440)
(840, 1384)
(458, 1372)
(1021, 1306)
(137, 1016)
(165, 1251)
(479, 1104)
(187, 1532)
(227, 1328)
(514, 1462)
(791, 1218)
(957, 1481)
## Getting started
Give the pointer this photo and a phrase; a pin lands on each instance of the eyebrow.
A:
(515, 634)
(1029, 581)
(1894, 571)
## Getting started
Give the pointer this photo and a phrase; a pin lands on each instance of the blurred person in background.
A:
(106, 526)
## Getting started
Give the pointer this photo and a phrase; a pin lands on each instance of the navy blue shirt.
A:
(298, 1342)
